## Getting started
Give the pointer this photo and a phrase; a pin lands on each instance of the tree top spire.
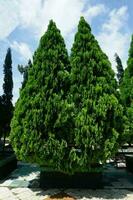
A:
(83, 23)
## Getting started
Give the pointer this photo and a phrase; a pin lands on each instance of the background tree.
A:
(7, 95)
(41, 121)
(8, 81)
(1, 117)
(98, 114)
(126, 89)
(24, 72)
(119, 67)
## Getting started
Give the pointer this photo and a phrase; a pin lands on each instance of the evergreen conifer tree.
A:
(119, 67)
(126, 89)
(7, 96)
(97, 111)
(8, 81)
(40, 126)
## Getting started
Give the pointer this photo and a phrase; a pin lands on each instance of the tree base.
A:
(77, 180)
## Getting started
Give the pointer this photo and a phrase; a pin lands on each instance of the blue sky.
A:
(22, 22)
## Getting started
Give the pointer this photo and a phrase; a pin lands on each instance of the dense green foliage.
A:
(126, 89)
(68, 118)
(7, 95)
(98, 115)
(127, 83)
(119, 67)
(40, 126)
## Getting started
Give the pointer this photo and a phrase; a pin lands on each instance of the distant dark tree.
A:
(24, 71)
(7, 95)
(119, 66)
(8, 81)
(1, 116)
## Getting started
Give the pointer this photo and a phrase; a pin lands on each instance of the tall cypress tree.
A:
(8, 81)
(119, 66)
(7, 95)
(126, 89)
(97, 110)
(40, 125)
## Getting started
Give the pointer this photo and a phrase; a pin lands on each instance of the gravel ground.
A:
(37, 194)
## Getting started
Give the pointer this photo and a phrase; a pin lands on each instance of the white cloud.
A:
(8, 17)
(94, 11)
(23, 49)
(35, 15)
(115, 36)
(30, 13)
(65, 13)
(117, 19)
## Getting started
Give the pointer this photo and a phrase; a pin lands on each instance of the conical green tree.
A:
(97, 110)
(126, 89)
(40, 125)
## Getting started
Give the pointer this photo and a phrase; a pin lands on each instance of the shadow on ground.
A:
(117, 184)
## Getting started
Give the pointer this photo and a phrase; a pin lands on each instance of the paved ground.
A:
(23, 184)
